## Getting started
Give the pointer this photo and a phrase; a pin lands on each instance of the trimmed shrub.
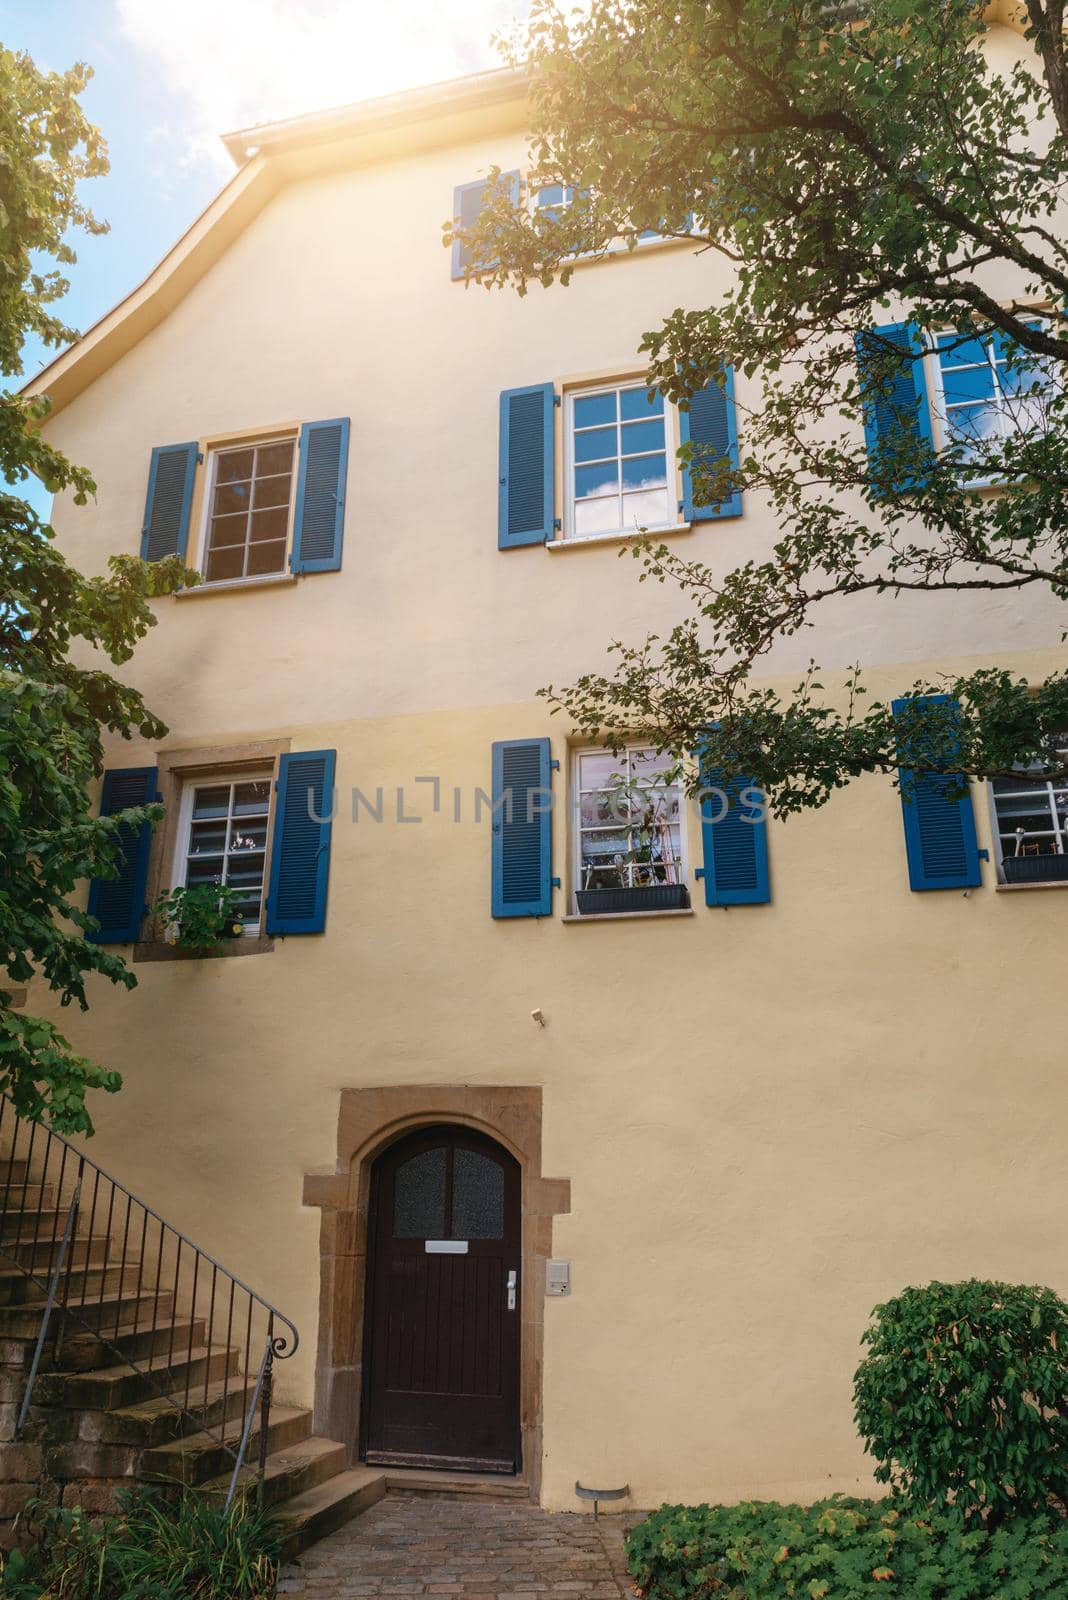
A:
(963, 1397)
(843, 1549)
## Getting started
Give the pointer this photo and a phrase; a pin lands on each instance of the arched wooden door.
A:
(441, 1328)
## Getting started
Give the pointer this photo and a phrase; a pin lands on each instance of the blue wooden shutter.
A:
(300, 842)
(734, 841)
(940, 840)
(319, 519)
(165, 530)
(526, 467)
(522, 868)
(118, 904)
(897, 413)
(710, 426)
(467, 202)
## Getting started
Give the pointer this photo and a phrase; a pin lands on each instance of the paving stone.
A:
(461, 1549)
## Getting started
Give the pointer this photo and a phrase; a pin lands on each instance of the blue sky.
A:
(170, 77)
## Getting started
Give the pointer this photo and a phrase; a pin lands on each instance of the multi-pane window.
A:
(619, 447)
(248, 513)
(224, 839)
(629, 820)
(990, 389)
(1032, 815)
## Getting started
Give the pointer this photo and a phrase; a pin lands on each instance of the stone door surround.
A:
(368, 1121)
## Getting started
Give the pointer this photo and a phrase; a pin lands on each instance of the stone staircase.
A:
(112, 1404)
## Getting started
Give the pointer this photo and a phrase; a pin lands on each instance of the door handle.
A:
(511, 1289)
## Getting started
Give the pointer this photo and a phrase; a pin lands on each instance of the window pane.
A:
(252, 797)
(231, 497)
(551, 195)
(208, 869)
(223, 564)
(272, 491)
(245, 872)
(207, 838)
(419, 1197)
(968, 383)
(956, 351)
(644, 472)
(477, 1196)
(593, 410)
(596, 444)
(248, 836)
(604, 810)
(597, 516)
(648, 510)
(274, 458)
(264, 558)
(596, 480)
(638, 436)
(634, 404)
(598, 769)
(212, 802)
(234, 465)
(973, 424)
(269, 524)
(228, 531)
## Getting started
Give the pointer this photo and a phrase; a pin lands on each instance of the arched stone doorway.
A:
(370, 1121)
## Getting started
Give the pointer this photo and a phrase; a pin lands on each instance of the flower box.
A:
(1036, 869)
(651, 897)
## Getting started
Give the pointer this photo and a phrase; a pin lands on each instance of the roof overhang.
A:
(269, 157)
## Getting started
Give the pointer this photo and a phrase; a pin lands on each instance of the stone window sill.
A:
(626, 916)
(157, 950)
(1015, 888)
(556, 545)
(273, 580)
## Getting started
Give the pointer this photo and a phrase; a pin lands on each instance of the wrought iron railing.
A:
(109, 1264)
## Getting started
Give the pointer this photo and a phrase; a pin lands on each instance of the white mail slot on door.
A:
(445, 1247)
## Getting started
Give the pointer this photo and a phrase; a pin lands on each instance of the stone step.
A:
(87, 1283)
(28, 1194)
(18, 1221)
(109, 1388)
(456, 1485)
(22, 1320)
(200, 1456)
(288, 1472)
(40, 1257)
(156, 1422)
(317, 1512)
(82, 1351)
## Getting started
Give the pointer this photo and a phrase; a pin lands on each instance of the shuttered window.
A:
(525, 466)
(165, 527)
(709, 426)
(300, 843)
(897, 414)
(936, 806)
(521, 850)
(118, 903)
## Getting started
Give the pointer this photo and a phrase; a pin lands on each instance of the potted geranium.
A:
(200, 917)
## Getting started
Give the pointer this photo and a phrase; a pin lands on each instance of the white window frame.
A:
(616, 245)
(671, 447)
(214, 452)
(939, 408)
(1058, 832)
(576, 791)
(212, 780)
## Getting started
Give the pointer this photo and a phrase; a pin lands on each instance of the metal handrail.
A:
(210, 1294)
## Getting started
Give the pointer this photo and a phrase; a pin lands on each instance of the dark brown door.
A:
(441, 1348)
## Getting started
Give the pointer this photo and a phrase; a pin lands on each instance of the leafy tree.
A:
(54, 707)
(853, 163)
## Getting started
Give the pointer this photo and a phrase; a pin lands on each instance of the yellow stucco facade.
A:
(771, 1116)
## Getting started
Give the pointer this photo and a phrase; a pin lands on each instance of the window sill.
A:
(1014, 888)
(625, 916)
(618, 538)
(157, 950)
(272, 580)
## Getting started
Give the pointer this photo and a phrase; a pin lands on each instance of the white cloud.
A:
(228, 63)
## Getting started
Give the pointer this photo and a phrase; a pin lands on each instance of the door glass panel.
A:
(419, 1197)
(477, 1196)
